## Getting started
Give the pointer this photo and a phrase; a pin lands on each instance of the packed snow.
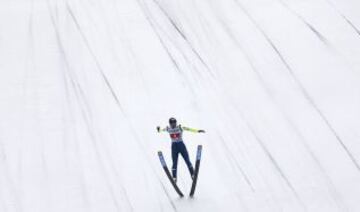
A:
(84, 83)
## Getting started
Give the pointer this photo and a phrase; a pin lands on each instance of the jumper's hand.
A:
(158, 128)
(201, 131)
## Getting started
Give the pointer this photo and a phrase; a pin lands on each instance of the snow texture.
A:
(84, 83)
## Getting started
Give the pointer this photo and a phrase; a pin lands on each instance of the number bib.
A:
(175, 133)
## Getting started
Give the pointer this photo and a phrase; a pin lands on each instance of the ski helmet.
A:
(172, 122)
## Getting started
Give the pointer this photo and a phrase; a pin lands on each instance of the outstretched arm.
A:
(193, 130)
(161, 129)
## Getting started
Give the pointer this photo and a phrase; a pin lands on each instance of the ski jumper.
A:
(178, 147)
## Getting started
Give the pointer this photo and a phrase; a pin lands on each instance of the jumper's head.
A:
(172, 122)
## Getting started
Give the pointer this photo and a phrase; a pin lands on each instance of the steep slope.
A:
(275, 83)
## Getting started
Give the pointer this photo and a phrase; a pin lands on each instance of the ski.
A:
(196, 171)
(163, 164)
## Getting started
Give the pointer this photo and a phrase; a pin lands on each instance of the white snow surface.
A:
(84, 83)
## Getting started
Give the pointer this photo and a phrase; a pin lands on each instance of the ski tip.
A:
(159, 153)
(191, 196)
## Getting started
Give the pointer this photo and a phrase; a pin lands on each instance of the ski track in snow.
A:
(275, 83)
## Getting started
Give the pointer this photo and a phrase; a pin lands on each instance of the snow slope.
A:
(84, 83)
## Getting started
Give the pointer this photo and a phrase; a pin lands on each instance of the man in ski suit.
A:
(177, 145)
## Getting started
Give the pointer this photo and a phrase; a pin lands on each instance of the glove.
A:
(201, 131)
(158, 128)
